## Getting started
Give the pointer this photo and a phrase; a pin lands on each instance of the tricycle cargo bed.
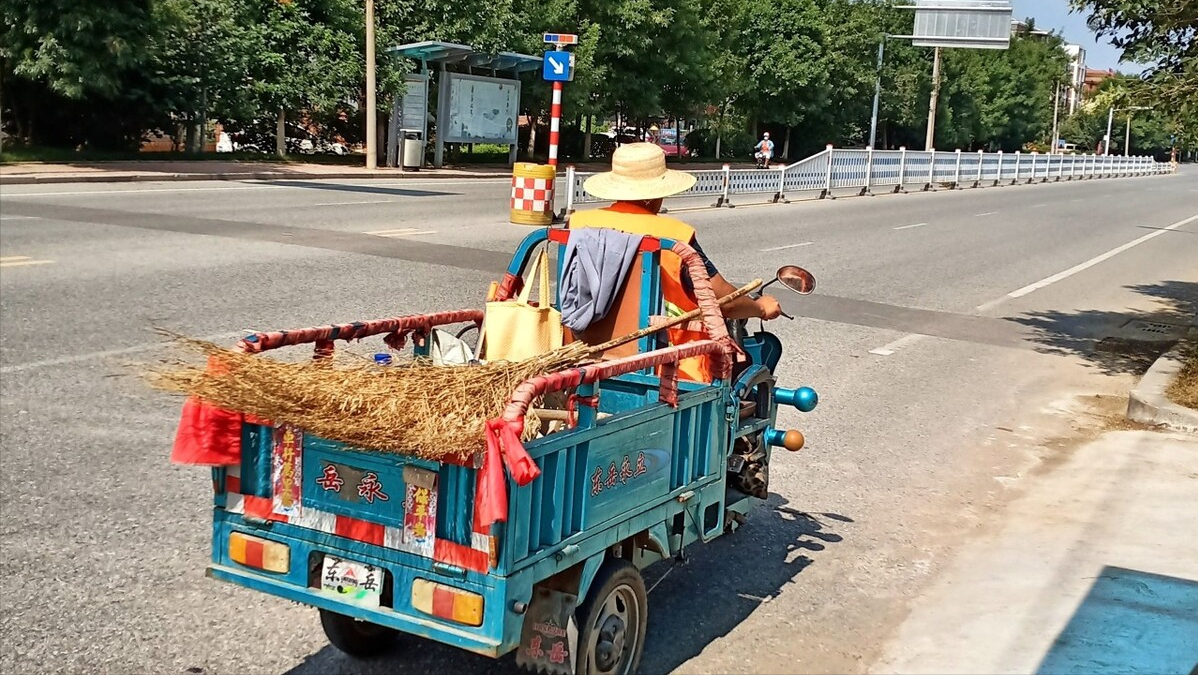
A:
(641, 465)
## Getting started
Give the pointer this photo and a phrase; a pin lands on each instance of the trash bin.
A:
(413, 151)
(532, 193)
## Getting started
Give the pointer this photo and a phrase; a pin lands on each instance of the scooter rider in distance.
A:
(764, 151)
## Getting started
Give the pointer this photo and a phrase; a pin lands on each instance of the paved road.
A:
(957, 339)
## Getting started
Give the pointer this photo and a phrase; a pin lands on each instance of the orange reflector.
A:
(270, 556)
(447, 602)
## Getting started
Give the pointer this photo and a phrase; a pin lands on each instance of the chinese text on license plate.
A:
(355, 583)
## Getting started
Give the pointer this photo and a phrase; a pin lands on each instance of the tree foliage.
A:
(1164, 35)
(102, 74)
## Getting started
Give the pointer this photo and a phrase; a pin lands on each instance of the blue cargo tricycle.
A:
(635, 464)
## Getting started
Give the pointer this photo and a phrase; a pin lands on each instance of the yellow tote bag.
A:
(515, 329)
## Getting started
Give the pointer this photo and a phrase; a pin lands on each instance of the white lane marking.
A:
(371, 201)
(11, 258)
(24, 263)
(18, 218)
(783, 248)
(96, 356)
(1047, 281)
(907, 227)
(889, 349)
(401, 232)
(1039, 206)
(988, 213)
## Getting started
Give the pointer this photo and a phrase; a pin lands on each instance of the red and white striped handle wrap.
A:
(709, 307)
(531, 389)
(400, 327)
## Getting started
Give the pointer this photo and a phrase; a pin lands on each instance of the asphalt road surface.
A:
(958, 341)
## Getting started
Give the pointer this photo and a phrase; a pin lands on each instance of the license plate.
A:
(352, 582)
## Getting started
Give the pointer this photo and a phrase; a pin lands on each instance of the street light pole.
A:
(873, 122)
(371, 121)
(1110, 119)
(1127, 139)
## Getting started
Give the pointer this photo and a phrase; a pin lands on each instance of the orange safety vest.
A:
(633, 219)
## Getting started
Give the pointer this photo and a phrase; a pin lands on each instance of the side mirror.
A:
(796, 279)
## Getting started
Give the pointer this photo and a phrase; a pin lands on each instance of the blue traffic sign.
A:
(561, 39)
(556, 66)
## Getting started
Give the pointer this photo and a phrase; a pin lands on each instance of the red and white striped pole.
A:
(555, 117)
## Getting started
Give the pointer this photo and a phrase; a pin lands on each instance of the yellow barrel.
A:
(532, 193)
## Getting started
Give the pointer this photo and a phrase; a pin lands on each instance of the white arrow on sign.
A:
(557, 66)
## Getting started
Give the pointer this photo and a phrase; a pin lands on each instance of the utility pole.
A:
(371, 121)
(873, 122)
(931, 139)
(1056, 111)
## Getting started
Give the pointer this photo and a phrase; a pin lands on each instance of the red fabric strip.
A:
(451, 553)
(359, 530)
(258, 507)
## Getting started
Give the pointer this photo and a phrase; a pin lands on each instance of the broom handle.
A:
(689, 316)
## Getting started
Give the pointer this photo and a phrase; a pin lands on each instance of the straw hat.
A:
(638, 172)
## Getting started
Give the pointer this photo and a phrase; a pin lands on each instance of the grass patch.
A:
(1184, 389)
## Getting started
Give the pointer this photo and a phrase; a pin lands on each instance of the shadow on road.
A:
(1118, 342)
(363, 189)
(696, 602)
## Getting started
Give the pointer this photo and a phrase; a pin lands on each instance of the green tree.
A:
(1163, 34)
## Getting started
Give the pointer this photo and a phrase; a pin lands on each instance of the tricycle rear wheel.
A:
(612, 621)
(357, 638)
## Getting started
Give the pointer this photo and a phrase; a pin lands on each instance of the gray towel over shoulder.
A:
(596, 263)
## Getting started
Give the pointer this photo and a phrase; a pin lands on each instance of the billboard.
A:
(482, 109)
(970, 24)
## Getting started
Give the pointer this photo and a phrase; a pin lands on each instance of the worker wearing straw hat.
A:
(638, 183)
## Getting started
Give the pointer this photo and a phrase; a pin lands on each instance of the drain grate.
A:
(1154, 328)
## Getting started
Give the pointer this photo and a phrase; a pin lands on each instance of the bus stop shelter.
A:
(410, 111)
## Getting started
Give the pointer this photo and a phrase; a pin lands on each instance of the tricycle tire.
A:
(612, 621)
(356, 638)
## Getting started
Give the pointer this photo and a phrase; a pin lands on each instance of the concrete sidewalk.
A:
(26, 173)
(1094, 570)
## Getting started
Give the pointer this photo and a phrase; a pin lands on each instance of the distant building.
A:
(1077, 76)
(1094, 79)
(1026, 28)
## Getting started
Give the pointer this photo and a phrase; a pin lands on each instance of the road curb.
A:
(249, 175)
(1148, 404)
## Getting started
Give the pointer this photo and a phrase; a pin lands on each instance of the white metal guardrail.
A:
(864, 170)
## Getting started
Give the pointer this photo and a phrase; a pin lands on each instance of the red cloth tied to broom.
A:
(208, 435)
(504, 449)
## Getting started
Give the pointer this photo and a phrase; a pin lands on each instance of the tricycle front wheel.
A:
(612, 621)
(356, 637)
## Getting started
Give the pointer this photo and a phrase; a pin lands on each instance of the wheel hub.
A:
(611, 643)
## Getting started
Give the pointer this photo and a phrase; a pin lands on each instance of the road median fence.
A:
(866, 171)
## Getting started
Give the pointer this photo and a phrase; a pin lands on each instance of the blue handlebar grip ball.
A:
(804, 398)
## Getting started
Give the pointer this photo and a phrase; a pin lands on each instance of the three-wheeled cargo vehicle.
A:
(645, 464)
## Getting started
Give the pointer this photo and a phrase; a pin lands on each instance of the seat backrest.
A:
(625, 316)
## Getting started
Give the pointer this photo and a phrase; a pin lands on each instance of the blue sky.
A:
(1055, 15)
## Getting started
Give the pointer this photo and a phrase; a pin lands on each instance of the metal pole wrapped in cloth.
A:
(532, 194)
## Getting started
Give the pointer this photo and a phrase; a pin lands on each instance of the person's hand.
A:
(770, 309)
